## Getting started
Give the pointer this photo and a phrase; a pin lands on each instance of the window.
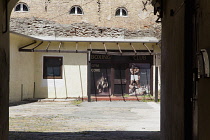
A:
(121, 12)
(21, 7)
(76, 10)
(52, 67)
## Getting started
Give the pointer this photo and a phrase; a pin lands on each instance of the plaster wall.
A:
(74, 77)
(21, 70)
(172, 76)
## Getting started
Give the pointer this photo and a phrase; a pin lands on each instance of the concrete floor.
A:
(85, 121)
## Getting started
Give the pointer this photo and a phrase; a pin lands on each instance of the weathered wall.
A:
(43, 27)
(99, 19)
(172, 76)
(203, 84)
(98, 12)
(21, 69)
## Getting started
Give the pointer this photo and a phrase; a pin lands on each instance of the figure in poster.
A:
(102, 85)
(134, 80)
(135, 87)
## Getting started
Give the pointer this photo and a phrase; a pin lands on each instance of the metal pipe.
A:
(133, 48)
(81, 81)
(37, 46)
(48, 45)
(54, 83)
(34, 90)
(156, 84)
(105, 47)
(147, 48)
(59, 47)
(76, 47)
(21, 48)
(106, 41)
(21, 92)
(64, 72)
(119, 48)
(89, 77)
(56, 51)
(90, 45)
(94, 52)
(124, 53)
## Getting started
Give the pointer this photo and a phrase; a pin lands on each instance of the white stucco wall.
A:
(74, 78)
(21, 69)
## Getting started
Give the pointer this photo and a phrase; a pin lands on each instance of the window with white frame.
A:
(21, 7)
(76, 10)
(122, 12)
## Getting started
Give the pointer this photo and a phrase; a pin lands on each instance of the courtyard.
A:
(77, 120)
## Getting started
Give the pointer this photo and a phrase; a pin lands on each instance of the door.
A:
(120, 79)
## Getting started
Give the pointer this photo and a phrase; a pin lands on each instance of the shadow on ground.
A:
(86, 135)
(21, 103)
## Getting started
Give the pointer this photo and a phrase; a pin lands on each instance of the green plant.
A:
(76, 102)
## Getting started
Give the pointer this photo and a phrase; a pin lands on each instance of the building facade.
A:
(82, 49)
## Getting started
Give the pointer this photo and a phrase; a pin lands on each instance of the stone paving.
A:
(102, 120)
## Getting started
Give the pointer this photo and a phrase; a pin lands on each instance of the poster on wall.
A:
(100, 79)
(139, 75)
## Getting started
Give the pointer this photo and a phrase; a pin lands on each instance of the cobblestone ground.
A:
(85, 121)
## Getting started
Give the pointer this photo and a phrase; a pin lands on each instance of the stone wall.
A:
(52, 18)
(43, 27)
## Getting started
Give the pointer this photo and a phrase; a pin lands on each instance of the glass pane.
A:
(17, 8)
(56, 71)
(53, 71)
(72, 10)
(124, 13)
(49, 71)
(117, 12)
(79, 10)
(25, 8)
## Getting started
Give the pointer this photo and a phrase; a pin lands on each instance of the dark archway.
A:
(5, 10)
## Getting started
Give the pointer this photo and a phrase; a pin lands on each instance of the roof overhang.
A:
(38, 41)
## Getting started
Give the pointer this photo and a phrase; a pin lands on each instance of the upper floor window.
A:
(21, 7)
(76, 10)
(121, 12)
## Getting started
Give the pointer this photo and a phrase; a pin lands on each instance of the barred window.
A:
(76, 10)
(121, 12)
(21, 7)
